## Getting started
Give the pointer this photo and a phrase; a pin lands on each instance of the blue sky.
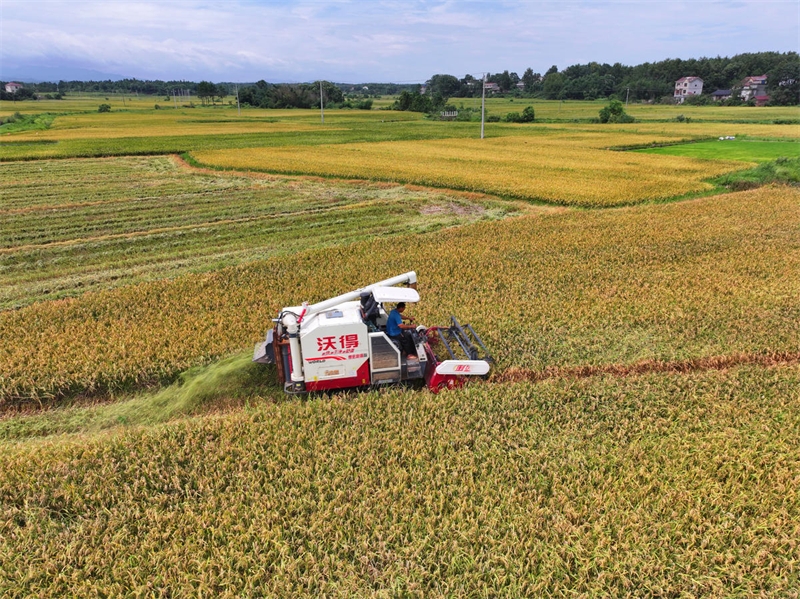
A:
(371, 41)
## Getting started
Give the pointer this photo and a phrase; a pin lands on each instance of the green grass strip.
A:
(748, 150)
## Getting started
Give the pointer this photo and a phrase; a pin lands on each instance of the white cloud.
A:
(384, 40)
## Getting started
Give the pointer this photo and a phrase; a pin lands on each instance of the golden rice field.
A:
(714, 276)
(225, 122)
(671, 485)
(84, 126)
(129, 219)
(639, 435)
(570, 168)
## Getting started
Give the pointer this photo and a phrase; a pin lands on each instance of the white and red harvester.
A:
(341, 343)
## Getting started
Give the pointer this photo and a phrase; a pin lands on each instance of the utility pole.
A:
(238, 107)
(627, 93)
(321, 106)
(483, 103)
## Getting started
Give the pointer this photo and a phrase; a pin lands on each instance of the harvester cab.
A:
(342, 342)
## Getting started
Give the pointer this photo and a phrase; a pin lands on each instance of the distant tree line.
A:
(126, 86)
(377, 89)
(290, 95)
(418, 102)
(648, 81)
(260, 94)
(21, 94)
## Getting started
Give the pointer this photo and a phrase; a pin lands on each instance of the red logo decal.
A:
(349, 341)
(324, 343)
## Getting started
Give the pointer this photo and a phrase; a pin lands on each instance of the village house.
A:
(754, 88)
(491, 87)
(12, 87)
(721, 94)
(687, 86)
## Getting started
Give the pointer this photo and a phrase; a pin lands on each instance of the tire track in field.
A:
(157, 231)
(515, 374)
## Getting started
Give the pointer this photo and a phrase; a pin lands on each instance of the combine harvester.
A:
(342, 343)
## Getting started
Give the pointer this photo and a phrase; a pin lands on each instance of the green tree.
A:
(331, 94)
(615, 113)
(470, 87)
(553, 86)
(699, 100)
(206, 91)
(221, 92)
(416, 102)
(445, 85)
(530, 79)
(403, 101)
(783, 82)
(528, 115)
(503, 80)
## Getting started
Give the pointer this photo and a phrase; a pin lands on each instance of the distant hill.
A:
(40, 74)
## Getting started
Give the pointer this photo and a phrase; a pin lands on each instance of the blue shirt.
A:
(393, 324)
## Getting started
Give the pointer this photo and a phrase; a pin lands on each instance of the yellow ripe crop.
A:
(709, 277)
(569, 168)
(121, 125)
(706, 130)
(603, 487)
(125, 220)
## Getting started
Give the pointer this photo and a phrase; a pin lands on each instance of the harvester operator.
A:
(399, 332)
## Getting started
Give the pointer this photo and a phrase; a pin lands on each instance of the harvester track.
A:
(514, 374)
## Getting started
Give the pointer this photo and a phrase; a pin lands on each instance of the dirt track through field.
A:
(647, 366)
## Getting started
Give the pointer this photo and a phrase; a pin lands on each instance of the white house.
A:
(12, 87)
(687, 86)
(753, 86)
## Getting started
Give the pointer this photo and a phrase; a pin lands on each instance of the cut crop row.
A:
(133, 219)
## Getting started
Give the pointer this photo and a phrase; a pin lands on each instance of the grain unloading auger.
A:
(342, 342)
